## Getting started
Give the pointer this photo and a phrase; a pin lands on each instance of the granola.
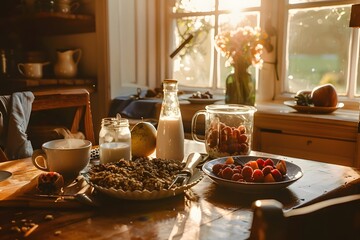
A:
(137, 174)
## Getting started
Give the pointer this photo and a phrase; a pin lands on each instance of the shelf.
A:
(45, 23)
(12, 85)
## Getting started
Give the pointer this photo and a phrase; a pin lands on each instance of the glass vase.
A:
(240, 87)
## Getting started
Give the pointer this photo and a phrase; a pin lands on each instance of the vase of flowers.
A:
(242, 48)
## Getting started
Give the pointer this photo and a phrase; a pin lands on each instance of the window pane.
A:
(191, 66)
(235, 5)
(186, 6)
(318, 47)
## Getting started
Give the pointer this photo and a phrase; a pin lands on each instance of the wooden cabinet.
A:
(330, 138)
(47, 23)
(29, 28)
(307, 147)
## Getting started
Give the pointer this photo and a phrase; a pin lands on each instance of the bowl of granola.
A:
(139, 179)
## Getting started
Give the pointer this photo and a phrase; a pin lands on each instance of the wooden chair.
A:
(79, 99)
(337, 218)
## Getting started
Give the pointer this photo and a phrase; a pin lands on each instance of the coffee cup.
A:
(32, 70)
(65, 156)
(228, 129)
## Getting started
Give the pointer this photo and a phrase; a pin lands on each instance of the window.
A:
(312, 44)
(319, 46)
(315, 44)
(199, 64)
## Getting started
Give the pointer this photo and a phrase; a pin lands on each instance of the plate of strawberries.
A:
(252, 173)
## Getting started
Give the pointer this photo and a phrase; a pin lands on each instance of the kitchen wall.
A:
(93, 61)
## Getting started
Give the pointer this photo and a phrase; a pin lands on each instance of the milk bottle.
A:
(170, 131)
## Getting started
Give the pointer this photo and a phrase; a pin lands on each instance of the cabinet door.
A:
(319, 149)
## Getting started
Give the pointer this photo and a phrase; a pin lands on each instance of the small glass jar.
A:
(114, 140)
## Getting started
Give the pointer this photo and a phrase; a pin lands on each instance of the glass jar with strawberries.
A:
(228, 129)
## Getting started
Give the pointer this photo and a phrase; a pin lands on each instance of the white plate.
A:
(312, 109)
(188, 97)
(146, 194)
(294, 173)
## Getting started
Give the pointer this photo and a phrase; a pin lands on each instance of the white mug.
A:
(65, 156)
(32, 70)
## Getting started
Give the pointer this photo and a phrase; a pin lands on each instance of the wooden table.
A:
(204, 212)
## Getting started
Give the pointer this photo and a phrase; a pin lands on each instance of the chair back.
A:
(337, 218)
(72, 98)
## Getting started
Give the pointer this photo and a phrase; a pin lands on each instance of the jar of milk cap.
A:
(114, 140)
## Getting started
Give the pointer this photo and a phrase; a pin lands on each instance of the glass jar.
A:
(228, 129)
(114, 140)
(170, 131)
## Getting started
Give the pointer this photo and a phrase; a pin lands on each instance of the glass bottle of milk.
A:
(170, 130)
(114, 140)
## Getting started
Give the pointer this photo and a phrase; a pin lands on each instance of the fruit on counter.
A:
(143, 139)
(303, 98)
(321, 96)
(324, 96)
(251, 171)
(205, 95)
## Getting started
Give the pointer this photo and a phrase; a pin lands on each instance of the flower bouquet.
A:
(242, 48)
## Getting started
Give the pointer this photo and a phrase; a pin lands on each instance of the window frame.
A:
(215, 71)
(281, 92)
(152, 65)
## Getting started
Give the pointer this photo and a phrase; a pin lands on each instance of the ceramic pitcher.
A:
(67, 61)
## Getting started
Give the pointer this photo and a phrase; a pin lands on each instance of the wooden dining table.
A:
(205, 211)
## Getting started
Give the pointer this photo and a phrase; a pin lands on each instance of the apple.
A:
(324, 96)
(143, 139)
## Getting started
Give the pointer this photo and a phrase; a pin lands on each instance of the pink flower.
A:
(245, 45)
